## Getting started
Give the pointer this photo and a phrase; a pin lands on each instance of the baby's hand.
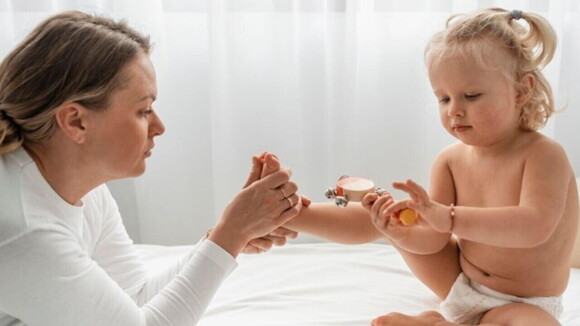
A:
(434, 214)
(271, 164)
(387, 223)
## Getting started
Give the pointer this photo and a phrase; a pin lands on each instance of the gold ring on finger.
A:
(283, 193)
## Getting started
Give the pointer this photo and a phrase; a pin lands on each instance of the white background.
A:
(332, 87)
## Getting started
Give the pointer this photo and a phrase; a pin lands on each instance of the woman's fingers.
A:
(289, 202)
(258, 245)
(284, 232)
(290, 213)
(277, 241)
(288, 189)
(276, 179)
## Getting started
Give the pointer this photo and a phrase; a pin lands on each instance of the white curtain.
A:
(332, 87)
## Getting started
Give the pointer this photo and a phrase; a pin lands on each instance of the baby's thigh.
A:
(437, 271)
(519, 314)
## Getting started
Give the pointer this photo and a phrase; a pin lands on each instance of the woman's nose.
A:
(156, 128)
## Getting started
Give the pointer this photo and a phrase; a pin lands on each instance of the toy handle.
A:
(355, 188)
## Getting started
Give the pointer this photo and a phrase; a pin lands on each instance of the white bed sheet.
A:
(322, 284)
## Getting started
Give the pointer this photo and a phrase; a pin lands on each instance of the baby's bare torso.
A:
(530, 272)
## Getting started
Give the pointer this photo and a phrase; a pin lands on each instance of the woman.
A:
(75, 112)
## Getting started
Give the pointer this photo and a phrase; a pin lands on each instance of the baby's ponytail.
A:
(537, 48)
(539, 42)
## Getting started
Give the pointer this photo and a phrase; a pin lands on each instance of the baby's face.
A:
(476, 104)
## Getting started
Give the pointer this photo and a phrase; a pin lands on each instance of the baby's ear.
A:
(524, 89)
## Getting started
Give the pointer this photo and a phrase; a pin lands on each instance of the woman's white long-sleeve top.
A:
(62, 264)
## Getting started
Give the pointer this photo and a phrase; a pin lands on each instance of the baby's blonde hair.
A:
(495, 31)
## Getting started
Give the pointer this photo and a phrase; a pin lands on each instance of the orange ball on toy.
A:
(407, 216)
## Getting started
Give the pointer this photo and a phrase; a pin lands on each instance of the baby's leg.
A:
(437, 271)
(515, 314)
(428, 318)
(519, 314)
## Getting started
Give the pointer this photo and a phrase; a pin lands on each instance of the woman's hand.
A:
(277, 237)
(270, 164)
(264, 165)
(260, 208)
(434, 214)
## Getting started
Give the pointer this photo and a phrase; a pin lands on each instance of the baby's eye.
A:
(472, 96)
(443, 100)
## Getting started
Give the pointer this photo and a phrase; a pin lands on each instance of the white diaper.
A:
(468, 301)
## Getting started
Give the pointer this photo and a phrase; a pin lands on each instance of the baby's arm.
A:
(546, 179)
(419, 239)
(348, 225)
(545, 182)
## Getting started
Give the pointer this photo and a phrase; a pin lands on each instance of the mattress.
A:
(320, 284)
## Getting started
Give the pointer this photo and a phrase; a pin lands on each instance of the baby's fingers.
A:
(378, 204)
(271, 164)
(415, 191)
(395, 207)
(417, 188)
(402, 186)
(368, 200)
(380, 222)
(305, 201)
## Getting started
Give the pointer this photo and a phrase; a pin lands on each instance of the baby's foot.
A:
(428, 318)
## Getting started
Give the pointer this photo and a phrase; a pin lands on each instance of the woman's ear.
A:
(71, 119)
(525, 89)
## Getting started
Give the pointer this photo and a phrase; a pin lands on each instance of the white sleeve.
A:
(46, 278)
(115, 253)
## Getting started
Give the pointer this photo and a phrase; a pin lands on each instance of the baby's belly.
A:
(514, 271)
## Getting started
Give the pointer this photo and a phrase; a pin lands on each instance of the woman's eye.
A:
(472, 96)
(146, 112)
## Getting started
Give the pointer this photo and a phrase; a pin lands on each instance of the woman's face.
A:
(123, 134)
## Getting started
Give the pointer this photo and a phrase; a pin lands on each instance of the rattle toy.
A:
(355, 188)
